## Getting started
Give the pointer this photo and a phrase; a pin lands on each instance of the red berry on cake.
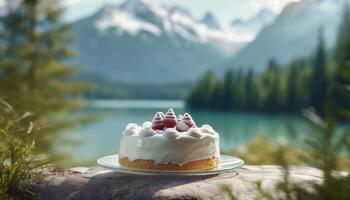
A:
(157, 123)
(161, 114)
(170, 120)
(188, 121)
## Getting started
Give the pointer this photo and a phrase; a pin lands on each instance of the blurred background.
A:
(256, 70)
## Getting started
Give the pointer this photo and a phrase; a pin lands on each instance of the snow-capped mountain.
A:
(293, 34)
(174, 8)
(139, 41)
(251, 27)
(134, 16)
(210, 21)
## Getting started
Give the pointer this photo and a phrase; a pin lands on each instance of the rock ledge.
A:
(98, 183)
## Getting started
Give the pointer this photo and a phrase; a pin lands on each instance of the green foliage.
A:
(336, 188)
(290, 88)
(297, 86)
(274, 90)
(323, 148)
(227, 190)
(293, 89)
(272, 80)
(34, 45)
(329, 147)
(18, 150)
(33, 76)
(326, 143)
(249, 88)
(262, 150)
(203, 94)
(326, 147)
(319, 86)
(342, 51)
(341, 59)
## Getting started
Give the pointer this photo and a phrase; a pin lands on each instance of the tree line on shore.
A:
(304, 82)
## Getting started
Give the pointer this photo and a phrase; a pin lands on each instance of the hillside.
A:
(293, 34)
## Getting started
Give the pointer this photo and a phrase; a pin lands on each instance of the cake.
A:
(169, 143)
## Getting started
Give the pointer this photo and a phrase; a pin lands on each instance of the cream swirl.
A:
(207, 129)
(147, 125)
(171, 133)
(182, 126)
(195, 132)
(131, 129)
(147, 132)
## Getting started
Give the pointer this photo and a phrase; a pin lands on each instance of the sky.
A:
(224, 10)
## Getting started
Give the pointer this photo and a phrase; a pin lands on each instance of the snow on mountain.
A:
(126, 23)
(124, 17)
(139, 41)
(129, 18)
(210, 21)
(293, 34)
(264, 16)
(136, 6)
(252, 26)
(179, 9)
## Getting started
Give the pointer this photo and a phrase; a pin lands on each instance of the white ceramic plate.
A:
(227, 163)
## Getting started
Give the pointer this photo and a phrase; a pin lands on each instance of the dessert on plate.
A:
(169, 143)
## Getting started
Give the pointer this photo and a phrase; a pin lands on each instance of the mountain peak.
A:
(263, 16)
(145, 19)
(306, 17)
(210, 21)
(135, 5)
(179, 9)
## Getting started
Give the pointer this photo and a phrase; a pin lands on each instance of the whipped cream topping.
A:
(131, 129)
(195, 132)
(147, 132)
(208, 129)
(182, 126)
(147, 124)
(171, 133)
(169, 145)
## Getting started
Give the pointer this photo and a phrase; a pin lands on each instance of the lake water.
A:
(102, 137)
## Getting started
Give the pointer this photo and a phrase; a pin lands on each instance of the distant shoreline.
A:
(136, 103)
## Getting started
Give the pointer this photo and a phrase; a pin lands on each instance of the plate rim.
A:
(121, 169)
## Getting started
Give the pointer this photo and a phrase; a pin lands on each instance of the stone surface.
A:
(98, 183)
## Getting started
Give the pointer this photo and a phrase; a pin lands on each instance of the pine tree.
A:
(240, 93)
(33, 75)
(201, 95)
(342, 62)
(250, 93)
(319, 82)
(229, 91)
(272, 84)
(292, 88)
(216, 101)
